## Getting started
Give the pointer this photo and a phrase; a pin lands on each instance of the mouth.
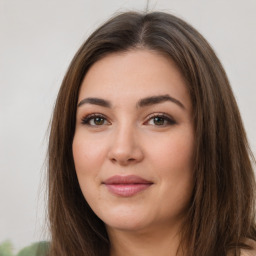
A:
(126, 186)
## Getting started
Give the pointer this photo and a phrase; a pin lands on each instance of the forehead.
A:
(134, 74)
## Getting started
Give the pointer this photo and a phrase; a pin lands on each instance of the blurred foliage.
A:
(36, 249)
(6, 248)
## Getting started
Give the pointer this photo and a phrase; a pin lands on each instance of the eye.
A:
(160, 120)
(95, 120)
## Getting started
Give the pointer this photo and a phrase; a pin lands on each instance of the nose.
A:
(125, 147)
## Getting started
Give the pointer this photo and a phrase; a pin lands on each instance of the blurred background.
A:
(38, 39)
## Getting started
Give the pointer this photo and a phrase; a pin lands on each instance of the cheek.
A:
(87, 153)
(174, 153)
(173, 163)
(87, 157)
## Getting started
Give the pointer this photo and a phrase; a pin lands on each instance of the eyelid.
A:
(170, 119)
(85, 120)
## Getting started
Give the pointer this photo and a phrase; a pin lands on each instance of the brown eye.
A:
(94, 120)
(160, 120)
(98, 121)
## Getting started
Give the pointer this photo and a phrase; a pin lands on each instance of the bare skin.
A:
(150, 243)
(134, 120)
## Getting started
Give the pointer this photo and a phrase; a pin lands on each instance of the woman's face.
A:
(134, 140)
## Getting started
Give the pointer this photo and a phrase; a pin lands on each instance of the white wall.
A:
(38, 38)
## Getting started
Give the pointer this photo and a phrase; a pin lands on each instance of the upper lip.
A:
(128, 179)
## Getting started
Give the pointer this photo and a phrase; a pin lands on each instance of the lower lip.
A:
(127, 190)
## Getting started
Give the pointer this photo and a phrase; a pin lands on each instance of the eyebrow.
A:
(95, 101)
(158, 99)
(149, 101)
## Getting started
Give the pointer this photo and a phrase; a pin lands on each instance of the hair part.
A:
(221, 213)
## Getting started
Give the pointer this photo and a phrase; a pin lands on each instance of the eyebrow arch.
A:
(158, 99)
(95, 101)
(141, 103)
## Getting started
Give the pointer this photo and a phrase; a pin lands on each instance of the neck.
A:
(163, 241)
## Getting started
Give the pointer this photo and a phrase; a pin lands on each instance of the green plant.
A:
(36, 249)
(6, 248)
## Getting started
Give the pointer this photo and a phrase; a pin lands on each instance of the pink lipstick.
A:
(126, 185)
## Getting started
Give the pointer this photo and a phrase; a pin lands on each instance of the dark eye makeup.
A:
(160, 119)
(156, 119)
(94, 120)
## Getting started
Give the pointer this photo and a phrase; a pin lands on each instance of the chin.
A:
(128, 225)
(126, 220)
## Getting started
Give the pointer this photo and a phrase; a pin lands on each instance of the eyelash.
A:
(166, 118)
(86, 120)
(163, 117)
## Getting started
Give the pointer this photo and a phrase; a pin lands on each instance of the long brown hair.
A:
(221, 213)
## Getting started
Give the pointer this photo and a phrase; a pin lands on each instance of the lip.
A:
(126, 186)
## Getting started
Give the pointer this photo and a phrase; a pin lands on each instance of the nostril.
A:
(123, 161)
(125, 153)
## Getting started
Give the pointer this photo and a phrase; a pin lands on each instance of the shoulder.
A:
(36, 249)
(247, 252)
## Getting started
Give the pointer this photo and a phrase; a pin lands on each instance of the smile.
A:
(126, 186)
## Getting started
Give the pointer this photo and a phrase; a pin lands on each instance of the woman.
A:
(147, 151)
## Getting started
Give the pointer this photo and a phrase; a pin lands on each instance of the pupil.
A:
(159, 120)
(99, 121)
